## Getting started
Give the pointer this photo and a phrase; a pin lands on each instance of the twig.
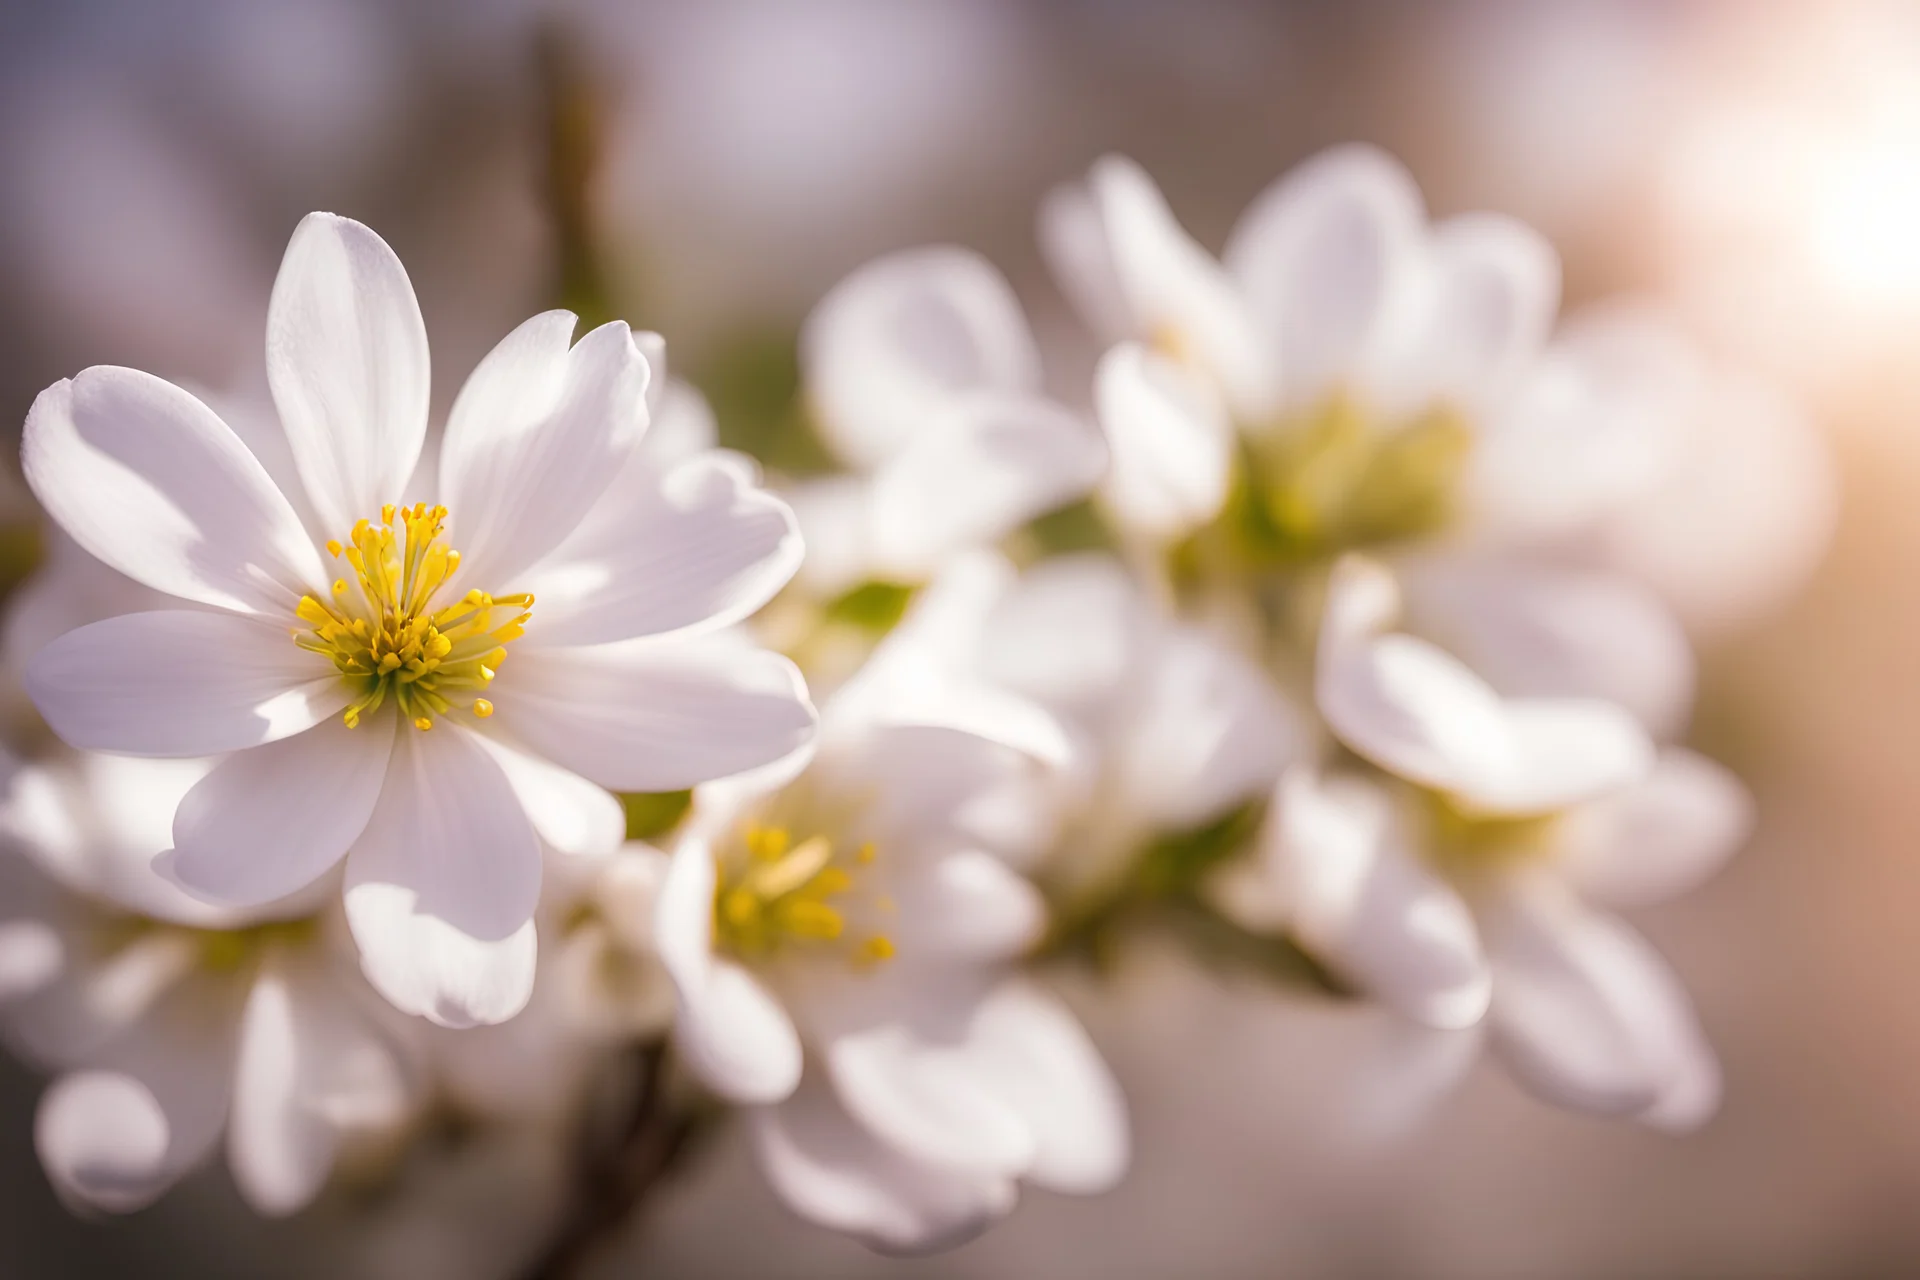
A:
(613, 1179)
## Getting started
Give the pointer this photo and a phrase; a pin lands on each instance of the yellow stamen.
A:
(390, 639)
(774, 892)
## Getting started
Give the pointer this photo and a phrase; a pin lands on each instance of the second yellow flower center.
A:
(383, 633)
(785, 892)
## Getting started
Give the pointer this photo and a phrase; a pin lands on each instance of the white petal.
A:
(829, 1170)
(148, 479)
(1569, 750)
(682, 421)
(1741, 520)
(271, 820)
(1175, 292)
(923, 674)
(95, 825)
(903, 334)
(115, 1137)
(835, 514)
(441, 886)
(733, 1033)
(975, 471)
(1210, 733)
(967, 907)
(924, 1099)
(312, 1067)
(32, 955)
(1601, 416)
(1326, 257)
(1170, 441)
(1358, 897)
(1074, 240)
(180, 684)
(1588, 1016)
(1658, 839)
(701, 545)
(347, 361)
(104, 1141)
(1070, 633)
(1536, 631)
(654, 715)
(1484, 301)
(571, 814)
(1414, 710)
(1034, 1053)
(538, 433)
(933, 788)
(69, 590)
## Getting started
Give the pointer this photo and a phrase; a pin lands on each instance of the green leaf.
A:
(651, 814)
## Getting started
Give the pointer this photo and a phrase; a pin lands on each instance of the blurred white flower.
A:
(923, 379)
(1173, 729)
(1453, 887)
(325, 697)
(1371, 378)
(840, 932)
(170, 1021)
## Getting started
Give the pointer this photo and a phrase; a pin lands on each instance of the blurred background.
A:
(719, 166)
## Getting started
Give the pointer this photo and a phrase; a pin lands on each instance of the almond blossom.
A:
(1349, 374)
(171, 1023)
(922, 378)
(427, 713)
(1461, 880)
(841, 933)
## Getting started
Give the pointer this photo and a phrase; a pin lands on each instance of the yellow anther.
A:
(766, 843)
(422, 723)
(740, 907)
(782, 892)
(792, 870)
(390, 638)
(831, 880)
(806, 918)
(352, 717)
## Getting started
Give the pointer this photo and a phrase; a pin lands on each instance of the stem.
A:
(613, 1180)
(574, 107)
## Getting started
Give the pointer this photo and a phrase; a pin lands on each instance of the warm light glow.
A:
(1864, 225)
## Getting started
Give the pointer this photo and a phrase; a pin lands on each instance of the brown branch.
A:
(613, 1180)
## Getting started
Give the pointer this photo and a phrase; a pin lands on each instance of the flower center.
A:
(782, 893)
(1334, 478)
(384, 635)
(1469, 842)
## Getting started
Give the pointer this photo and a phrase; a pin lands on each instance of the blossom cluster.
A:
(1345, 618)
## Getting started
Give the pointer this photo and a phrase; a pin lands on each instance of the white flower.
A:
(924, 380)
(1173, 729)
(1457, 886)
(1335, 298)
(345, 671)
(840, 939)
(171, 1022)
(1374, 377)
